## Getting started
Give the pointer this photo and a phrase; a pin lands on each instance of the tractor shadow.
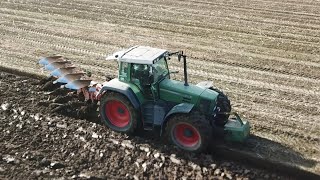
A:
(265, 148)
(264, 153)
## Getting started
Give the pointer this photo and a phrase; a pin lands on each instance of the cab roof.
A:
(138, 55)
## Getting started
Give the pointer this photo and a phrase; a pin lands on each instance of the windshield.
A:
(160, 69)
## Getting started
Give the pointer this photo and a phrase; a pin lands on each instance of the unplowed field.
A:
(265, 54)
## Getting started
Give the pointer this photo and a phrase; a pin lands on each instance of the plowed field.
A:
(265, 54)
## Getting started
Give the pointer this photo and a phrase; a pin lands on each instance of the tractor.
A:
(144, 97)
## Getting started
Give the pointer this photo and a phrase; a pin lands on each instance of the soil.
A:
(36, 144)
(264, 54)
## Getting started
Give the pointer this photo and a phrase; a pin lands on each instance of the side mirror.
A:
(180, 54)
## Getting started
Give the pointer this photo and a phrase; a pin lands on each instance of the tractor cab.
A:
(143, 67)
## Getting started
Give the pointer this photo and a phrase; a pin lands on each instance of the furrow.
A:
(289, 104)
(121, 13)
(76, 40)
(285, 60)
(72, 49)
(197, 61)
(278, 116)
(231, 79)
(205, 64)
(232, 6)
(276, 87)
(261, 51)
(205, 13)
(295, 3)
(233, 9)
(252, 68)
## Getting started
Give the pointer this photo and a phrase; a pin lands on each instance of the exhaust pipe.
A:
(185, 70)
(184, 67)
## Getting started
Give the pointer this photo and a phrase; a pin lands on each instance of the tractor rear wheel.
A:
(191, 132)
(117, 113)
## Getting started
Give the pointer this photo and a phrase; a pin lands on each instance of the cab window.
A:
(123, 71)
(142, 73)
(160, 69)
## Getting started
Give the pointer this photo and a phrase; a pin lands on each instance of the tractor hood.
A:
(177, 92)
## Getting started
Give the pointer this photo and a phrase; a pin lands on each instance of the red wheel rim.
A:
(117, 113)
(186, 135)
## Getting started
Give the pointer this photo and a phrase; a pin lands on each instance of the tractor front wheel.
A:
(190, 132)
(117, 113)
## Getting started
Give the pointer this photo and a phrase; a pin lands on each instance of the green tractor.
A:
(144, 96)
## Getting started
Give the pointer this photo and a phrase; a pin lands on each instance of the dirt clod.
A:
(56, 165)
(9, 159)
(217, 172)
(5, 106)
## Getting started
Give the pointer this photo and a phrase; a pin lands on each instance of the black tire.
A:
(187, 141)
(125, 111)
(223, 103)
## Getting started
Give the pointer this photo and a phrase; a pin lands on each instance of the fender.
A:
(122, 88)
(183, 108)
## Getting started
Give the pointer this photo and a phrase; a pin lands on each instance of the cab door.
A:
(141, 76)
(160, 72)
